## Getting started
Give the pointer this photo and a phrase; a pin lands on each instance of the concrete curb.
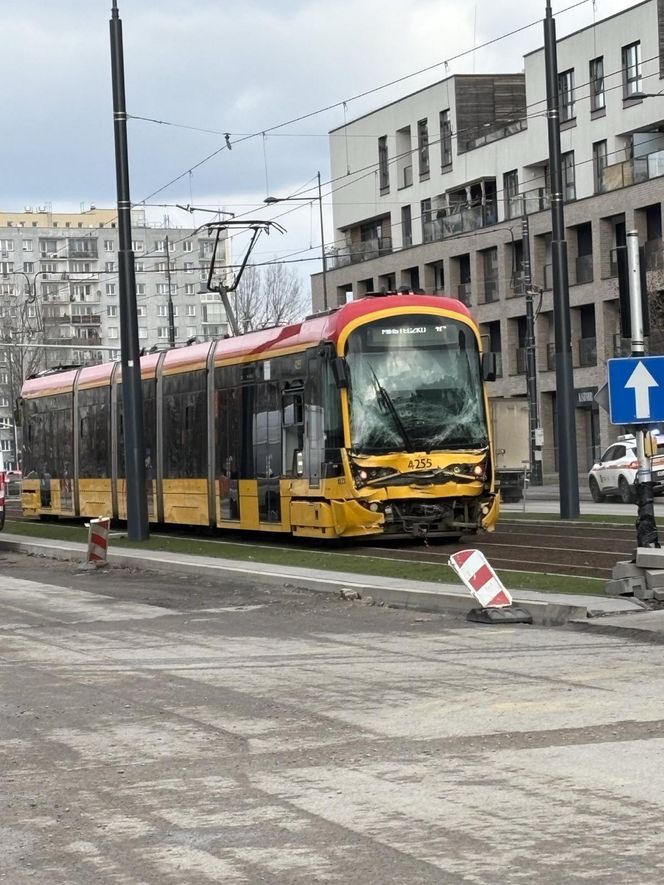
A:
(425, 597)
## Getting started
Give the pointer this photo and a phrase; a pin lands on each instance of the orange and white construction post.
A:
(98, 531)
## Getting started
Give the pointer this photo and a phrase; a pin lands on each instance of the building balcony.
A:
(584, 269)
(458, 221)
(628, 172)
(654, 254)
(89, 319)
(88, 254)
(521, 360)
(361, 251)
(536, 200)
(464, 293)
(550, 356)
(587, 352)
(491, 293)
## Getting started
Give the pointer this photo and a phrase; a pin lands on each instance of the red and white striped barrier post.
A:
(487, 588)
(98, 530)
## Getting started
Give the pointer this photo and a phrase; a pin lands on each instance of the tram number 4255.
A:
(419, 463)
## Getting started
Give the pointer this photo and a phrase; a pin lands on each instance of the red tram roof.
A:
(265, 342)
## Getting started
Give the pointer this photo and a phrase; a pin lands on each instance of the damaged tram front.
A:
(418, 446)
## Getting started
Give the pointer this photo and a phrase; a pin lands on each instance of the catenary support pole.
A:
(322, 244)
(646, 529)
(171, 309)
(568, 474)
(132, 393)
(535, 450)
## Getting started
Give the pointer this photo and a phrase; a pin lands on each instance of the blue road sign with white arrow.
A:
(636, 390)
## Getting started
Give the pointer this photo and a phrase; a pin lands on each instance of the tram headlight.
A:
(363, 475)
(469, 471)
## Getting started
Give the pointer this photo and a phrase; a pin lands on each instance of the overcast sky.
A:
(239, 67)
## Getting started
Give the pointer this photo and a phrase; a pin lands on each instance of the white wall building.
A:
(434, 187)
(59, 286)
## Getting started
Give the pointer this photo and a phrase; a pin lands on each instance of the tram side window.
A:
(229, 432)
(334, 434)
(150, 428)
(47, 439)
(94, 433)
(185, 425)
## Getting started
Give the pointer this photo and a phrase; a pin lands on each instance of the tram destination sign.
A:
(636, 390)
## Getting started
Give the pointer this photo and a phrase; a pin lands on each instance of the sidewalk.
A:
(548, 609)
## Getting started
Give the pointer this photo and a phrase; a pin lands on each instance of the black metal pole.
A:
(568, 474)
(171, 310)
(531, 358)
(132, 393)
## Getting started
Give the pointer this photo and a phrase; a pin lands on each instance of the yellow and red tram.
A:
(366, 420)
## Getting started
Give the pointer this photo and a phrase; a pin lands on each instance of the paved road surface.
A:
(161, 730)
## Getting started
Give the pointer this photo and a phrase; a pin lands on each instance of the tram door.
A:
(267, 451)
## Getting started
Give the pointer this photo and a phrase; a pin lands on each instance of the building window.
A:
(191, 331)
(142, 332)
(139, 267)
(597, 101)
(383, 165)
(566, 95)
(191, 310)
(109, 246)
(161, 266)
(631, 69)
(406, 227)
(141, 311)
(187, 246)
(445, 139)
(112, 332)
(423, 147)
(28, 266)
(511, 192)
(112, 310)
(599, 165)
(162, 310)
(188, 266)
(27, 245)
(109, 266)
(425, 216)
(159, 246)
(569, 183)
(6, 245)
(140, 288)
(137, 246)
(162, 332)
(189, 289)
(110, 288)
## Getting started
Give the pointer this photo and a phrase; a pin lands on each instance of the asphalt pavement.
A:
(170, 729)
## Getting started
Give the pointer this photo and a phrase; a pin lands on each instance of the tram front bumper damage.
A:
(394, 510)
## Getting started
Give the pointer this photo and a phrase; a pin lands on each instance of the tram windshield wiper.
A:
(385, 401)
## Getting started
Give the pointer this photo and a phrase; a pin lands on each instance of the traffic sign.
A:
(636, 390)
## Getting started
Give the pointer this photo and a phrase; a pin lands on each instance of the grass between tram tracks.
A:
(306, 557)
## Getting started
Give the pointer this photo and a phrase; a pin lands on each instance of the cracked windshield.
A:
(415, 385)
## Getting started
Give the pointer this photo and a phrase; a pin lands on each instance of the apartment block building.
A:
(59, 286)
(435, 186)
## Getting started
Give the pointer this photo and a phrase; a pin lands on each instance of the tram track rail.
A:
(574, 550)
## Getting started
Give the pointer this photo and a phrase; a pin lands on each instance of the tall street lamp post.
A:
(271, 200)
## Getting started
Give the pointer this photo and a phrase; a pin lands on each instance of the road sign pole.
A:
(646, 529)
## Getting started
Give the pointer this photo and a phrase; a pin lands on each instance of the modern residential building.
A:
(59, 286)
(435, 185)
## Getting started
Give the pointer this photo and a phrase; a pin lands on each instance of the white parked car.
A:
(614, 474)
